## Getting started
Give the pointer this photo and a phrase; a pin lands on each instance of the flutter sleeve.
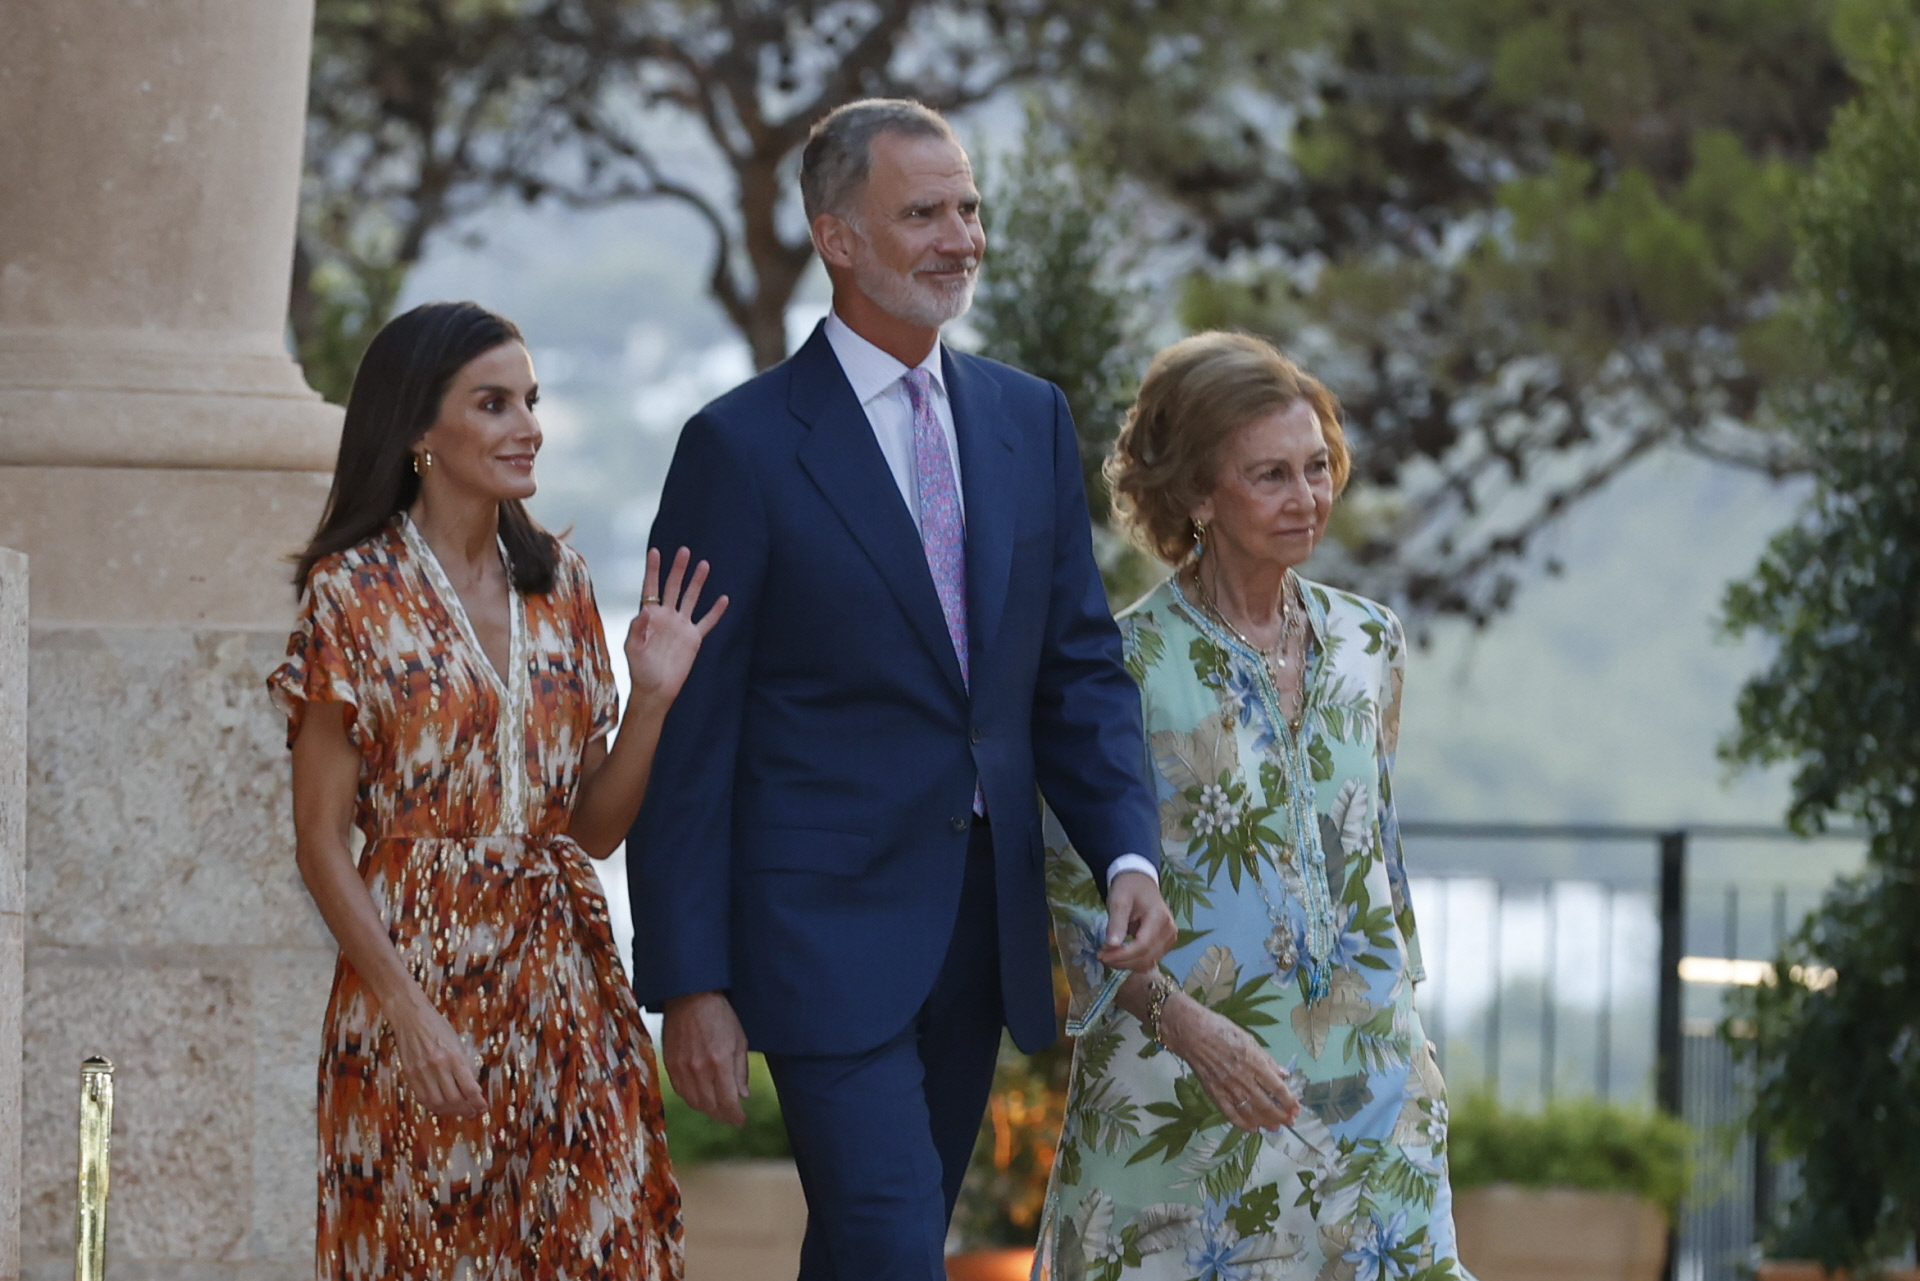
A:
(322, 664)
(603, 697)
(1395, 662)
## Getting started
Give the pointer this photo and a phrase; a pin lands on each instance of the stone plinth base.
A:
(170, 932)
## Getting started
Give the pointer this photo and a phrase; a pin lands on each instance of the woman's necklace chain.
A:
(1293, 613)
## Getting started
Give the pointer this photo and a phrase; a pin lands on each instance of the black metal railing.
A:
(1594, 958)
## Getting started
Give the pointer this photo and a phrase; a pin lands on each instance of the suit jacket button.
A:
(959, 824)
(977, 735)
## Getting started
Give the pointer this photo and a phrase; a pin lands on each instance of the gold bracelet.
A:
(1163, 987)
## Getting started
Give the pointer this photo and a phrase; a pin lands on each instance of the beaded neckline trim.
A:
(1303, 818)
(515, 693)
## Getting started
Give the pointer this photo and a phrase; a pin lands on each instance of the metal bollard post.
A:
(96, 1134)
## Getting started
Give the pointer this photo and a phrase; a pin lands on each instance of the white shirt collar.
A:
(871, 370)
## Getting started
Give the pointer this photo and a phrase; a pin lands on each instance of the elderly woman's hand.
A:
(1235, 1070)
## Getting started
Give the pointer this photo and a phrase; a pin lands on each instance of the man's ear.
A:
(833, 239)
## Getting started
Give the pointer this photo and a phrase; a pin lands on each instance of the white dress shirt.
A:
(876, 377)
(878, 385)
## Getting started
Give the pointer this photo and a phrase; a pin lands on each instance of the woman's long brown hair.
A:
(396, 397)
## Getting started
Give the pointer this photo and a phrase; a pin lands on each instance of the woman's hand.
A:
(664, 638)
(1234, 1069)
(437, 1063)
(661, 646)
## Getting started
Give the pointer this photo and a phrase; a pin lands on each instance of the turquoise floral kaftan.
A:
(1282, 865)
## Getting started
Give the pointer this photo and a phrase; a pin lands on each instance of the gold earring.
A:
(1199, 532)
(422, 462)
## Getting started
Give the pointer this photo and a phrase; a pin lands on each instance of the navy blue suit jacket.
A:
(806, 824)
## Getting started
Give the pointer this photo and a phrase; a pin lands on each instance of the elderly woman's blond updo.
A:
(1196, 395)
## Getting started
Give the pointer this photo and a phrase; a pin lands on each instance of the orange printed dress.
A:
(466, 784)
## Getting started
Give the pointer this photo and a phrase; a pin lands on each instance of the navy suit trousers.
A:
(882, 1138)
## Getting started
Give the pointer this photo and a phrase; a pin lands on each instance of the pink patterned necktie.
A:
(942, 531)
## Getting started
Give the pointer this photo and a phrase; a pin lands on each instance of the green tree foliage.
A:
(1054, 300)
(1838, 1062)
(422, 112)
(1526, 243)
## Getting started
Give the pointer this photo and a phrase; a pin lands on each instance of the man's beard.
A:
(905, 296)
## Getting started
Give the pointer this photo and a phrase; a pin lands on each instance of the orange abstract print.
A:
(466, 784)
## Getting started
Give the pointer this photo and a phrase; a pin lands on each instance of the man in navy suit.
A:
(839, 858)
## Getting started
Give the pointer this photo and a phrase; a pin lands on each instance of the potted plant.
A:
(1581, 1189)
(1793, 1245)
(1832, 1047)
(741, 1200)
(1006, 1185)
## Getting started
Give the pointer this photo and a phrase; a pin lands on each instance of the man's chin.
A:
(938, 307)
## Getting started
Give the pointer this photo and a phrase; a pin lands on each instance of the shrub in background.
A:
(1575, 1143)
(695, 1138)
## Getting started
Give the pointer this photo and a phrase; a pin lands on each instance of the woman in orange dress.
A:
(489, 1105)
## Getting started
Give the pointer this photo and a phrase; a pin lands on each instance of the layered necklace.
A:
(1293, 620)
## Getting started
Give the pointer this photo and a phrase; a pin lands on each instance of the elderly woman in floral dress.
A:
(1267, 1105)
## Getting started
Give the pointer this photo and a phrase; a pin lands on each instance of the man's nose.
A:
(956, 236)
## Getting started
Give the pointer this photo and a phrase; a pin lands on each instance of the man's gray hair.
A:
(839, 151)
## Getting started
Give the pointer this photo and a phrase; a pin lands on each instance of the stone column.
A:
(13, 890)
(160, 454)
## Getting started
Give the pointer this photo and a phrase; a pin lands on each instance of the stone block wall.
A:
(13, 856)
(170, 932)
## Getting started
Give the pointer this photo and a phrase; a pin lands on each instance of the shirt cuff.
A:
(1131, 863)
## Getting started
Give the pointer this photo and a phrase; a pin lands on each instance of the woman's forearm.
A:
(348, 909)
(326, 773)
(611, 789)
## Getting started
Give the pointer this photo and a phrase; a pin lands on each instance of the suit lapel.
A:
(845, 462)
(987, 460)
